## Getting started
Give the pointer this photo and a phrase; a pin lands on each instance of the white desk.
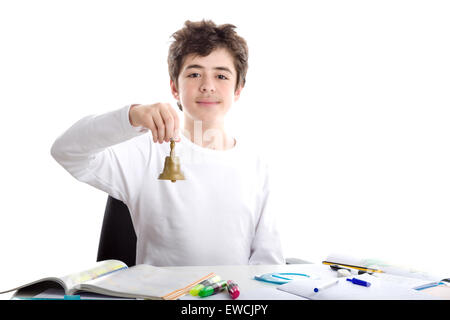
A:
(252, 289)
(258, 290)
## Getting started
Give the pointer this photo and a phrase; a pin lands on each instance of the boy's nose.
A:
(207, 86)
(205, 89)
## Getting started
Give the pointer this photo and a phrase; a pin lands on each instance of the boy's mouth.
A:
(207, 102)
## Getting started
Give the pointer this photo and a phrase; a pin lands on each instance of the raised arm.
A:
(94, 151)
(97, 149)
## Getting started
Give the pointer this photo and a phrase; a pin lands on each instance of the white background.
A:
(349, 100)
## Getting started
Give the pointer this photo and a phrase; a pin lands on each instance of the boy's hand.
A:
(160, 118)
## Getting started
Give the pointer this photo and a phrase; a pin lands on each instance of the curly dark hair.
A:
(201, 38)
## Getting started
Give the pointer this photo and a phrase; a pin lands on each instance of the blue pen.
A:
(326, 285)
(359, 282)
(428, 285)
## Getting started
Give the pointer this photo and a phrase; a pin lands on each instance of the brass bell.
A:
(171, 169)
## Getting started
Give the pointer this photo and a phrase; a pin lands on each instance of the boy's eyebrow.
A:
(197, 66)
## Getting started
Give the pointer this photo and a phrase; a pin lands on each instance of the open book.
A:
(114, 278)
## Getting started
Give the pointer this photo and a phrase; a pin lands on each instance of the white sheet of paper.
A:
(345, 290)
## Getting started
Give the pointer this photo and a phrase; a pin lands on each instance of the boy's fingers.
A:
(152, 128)
(147, 122)
(168, 124)
(176, 121)
(160, 130)
(163, 122)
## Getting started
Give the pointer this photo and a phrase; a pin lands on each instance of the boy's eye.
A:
(196, 75)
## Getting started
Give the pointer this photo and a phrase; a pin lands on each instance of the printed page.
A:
(143, 281)
(100, 269)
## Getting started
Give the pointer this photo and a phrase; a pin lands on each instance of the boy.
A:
(219, 215)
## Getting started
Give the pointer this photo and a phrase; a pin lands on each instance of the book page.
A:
(143, 281)
(100, 269)
(71, 281)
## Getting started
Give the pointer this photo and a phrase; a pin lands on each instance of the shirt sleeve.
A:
(266, 246)
(105, 151)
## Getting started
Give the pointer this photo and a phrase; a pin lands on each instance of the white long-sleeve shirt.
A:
(219, 215)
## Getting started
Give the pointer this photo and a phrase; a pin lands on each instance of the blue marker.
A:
(359, 282)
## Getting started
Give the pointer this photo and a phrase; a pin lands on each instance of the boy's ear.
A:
(237, 93)
(174, 90)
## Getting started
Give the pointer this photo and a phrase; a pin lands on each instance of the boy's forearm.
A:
(93, 134)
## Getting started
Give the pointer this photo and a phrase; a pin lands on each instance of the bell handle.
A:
(172, 148)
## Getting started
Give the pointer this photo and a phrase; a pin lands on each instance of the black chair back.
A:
(117, 238)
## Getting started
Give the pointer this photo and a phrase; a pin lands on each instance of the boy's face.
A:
(206, 86)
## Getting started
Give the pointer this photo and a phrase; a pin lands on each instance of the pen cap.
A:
(195, 290)
(233, 289)
(359, 282)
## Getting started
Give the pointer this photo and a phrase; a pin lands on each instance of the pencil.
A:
(353, 267)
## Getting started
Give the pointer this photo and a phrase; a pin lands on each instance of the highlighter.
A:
(213, 289)
(196, 289)
(233, 289)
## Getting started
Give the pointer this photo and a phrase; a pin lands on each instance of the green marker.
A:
(212, 289)
(196, 289)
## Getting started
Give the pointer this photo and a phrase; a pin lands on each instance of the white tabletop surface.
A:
(243, 275)
(252, 289)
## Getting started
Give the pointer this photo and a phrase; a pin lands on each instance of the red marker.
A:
(233, 289)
